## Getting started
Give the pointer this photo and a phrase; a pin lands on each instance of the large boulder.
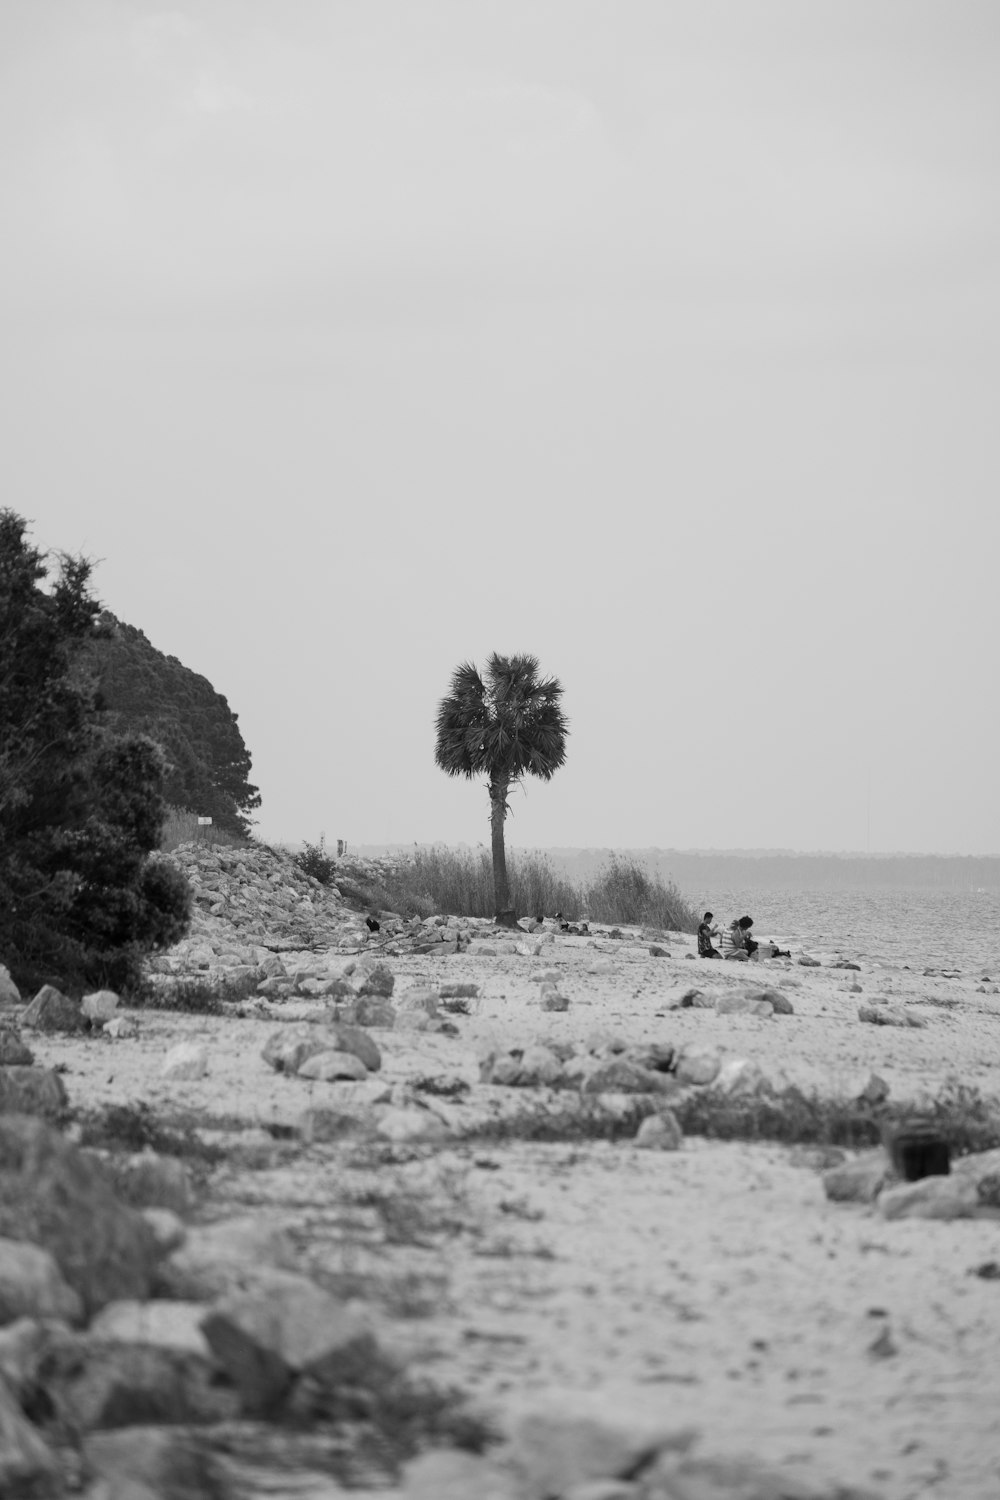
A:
(263, 1341)
(51, 1010)
(31, 1285)
(53, 1196)
(32, 1091)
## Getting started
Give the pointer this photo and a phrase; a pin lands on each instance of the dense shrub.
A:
(312, 859)
(80, 808)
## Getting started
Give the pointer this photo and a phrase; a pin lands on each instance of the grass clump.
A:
(134, 1127)
(625, 891)
(969, 1121)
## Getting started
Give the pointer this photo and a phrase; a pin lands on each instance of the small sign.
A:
(203, 821)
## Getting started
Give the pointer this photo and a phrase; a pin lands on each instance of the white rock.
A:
(120, 1027)
(186, 1060)
(168, 1325)
(99, 1006)
(660, 1133)
(333, 1065)
(411, 1124)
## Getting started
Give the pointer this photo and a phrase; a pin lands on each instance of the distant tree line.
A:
(142, 691)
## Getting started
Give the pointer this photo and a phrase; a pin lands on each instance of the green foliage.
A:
(143, 691)
(312, 859)
(459, 882)
(625, 891)
(80, 808)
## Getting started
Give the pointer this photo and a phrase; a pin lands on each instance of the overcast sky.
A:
(354, 339)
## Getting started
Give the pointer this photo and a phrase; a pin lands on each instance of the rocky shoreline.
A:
(289, 1242)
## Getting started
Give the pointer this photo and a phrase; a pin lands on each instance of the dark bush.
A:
(312, 859)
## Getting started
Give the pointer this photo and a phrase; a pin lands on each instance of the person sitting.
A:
(706, 932)
(742, 941)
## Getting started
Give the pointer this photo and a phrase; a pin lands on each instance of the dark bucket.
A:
(918, 1150)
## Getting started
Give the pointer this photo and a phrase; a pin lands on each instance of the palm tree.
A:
(504, 727)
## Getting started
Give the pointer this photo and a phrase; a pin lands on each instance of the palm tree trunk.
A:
(498, 812)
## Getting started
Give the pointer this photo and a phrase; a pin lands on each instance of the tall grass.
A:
(182, 827)
(460, 883)
(625, 891)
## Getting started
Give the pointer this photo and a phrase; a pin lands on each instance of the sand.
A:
(715, 1284)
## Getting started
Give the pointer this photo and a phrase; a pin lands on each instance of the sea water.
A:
(922, 927)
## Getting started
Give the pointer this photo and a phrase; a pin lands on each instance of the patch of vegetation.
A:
(194, 996)
(582, 1119)
(143, 691)
(134, 1127)
(312, 859)
(81, 805)
(459, 882)
(625, 891)
(793, 1117)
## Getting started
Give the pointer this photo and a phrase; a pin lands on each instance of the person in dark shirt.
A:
(706, 932)
(741, 936)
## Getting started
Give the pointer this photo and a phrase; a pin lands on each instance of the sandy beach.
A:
(715, 1284)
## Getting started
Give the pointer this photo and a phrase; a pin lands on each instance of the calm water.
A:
(920, 927)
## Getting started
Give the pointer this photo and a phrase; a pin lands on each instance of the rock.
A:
(449, 1474)
(51, 1010)
(655, 951)
(602, 966)
(100, 1006)
(167, 1324)
(9, 992)
(660, 1132)
(264, 1342)
(32, 1286)
(858, 1181)
(289, 1047)
(404, 1125)
(741, 1076)
(371, 1010)
(620, 1076)
(809, 963)
(742, 1005)
(553, 1001)
(947, 1197)
(696, 998)
(780, 1003)
(173, 1463)
(91, 1384)
(530, 1068)
(216, 1258)
(459, 991)
(32, 1091)
(872, 1090)
(887, 1013)
(561, 1441)
(188, 1060)
(53, 1196)
(167, 1229)
(13, 1052)
(331, 1066)
(377, 980)
(352, 1039)
(421, 999)
(121, 1027)
(698, 1065)
(28, 1468)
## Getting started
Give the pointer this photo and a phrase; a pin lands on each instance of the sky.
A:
(356, 339)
